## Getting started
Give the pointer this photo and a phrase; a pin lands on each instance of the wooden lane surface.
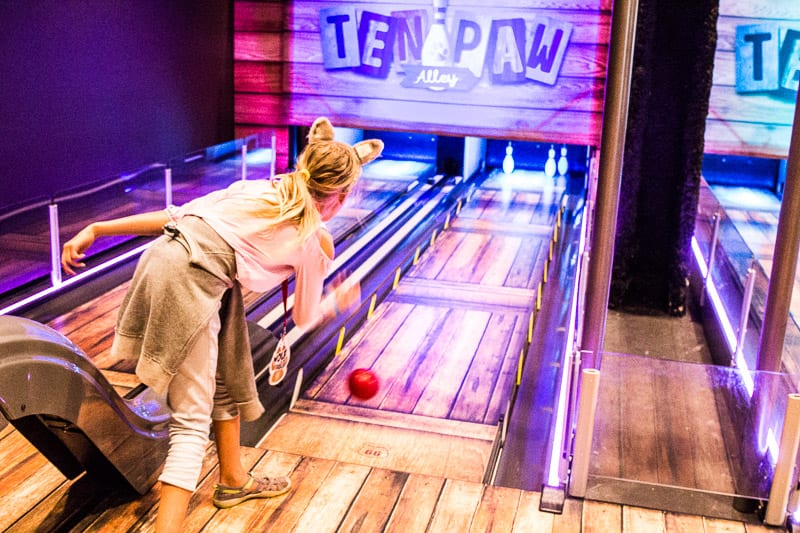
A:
(413, 444)
(445, 344)
(429, 363)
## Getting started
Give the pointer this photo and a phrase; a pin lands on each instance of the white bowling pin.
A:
(563, 164)
(550, 165)
(508, 160)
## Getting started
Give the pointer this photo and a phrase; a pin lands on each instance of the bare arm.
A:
(143, 224)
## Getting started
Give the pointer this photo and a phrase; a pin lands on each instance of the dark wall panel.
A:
(96, 88)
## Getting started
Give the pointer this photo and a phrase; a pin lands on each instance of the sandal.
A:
(256, 487)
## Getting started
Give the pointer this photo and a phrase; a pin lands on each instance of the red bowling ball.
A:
(363, 383)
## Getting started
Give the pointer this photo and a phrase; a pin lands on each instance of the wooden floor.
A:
(328, 495)
(445, 346)
(657, 418)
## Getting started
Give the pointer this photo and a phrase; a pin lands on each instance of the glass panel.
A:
(25, 241)
(746, 239)
(260, 155)
(216, 167)
(128, 195)
(25, 231)
(195, 176)
(663, 425)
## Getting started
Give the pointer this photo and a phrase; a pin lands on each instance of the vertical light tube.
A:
(244, 160)
(168, 186)
(55, 247)
(273, 156)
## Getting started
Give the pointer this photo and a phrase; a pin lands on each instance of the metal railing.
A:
(33, 232)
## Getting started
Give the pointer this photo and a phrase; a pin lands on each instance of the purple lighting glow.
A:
(554, 464)
(771, 444)
(725, 323)
(75, 279)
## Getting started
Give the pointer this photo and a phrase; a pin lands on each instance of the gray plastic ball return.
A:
(56, 397)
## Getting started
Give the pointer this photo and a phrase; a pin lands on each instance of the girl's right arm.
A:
(74, 250)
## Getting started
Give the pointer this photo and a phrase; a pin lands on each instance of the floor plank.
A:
(601, 517)
(496, 510)
(457, 505)
(373, 506)
(415, 506)
(331, 502)
(528, 517)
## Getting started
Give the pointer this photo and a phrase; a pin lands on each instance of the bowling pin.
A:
(436, 47)
(508, 160)
(563, 165)
(550, 165)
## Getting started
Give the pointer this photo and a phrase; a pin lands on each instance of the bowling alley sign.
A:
(450, 54)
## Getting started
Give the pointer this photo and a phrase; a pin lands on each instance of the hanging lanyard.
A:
(285, 293)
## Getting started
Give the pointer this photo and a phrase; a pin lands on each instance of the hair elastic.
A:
(306, 174)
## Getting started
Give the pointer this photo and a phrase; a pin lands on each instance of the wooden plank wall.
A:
(753, 124)
(280, 76)
(258, 64)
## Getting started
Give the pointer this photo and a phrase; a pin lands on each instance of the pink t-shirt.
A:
(264, 256)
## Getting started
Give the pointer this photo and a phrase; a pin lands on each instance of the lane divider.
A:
(544, 274)
(530, 326)
(340, 342)
(372, 305)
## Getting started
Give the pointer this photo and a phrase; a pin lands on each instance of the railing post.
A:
(168, 186)
(784, 260)
(244, 160)
(584, 429)
(55, 247)
(747, 299)
(712, 252)
(784, 469)
(273, 155)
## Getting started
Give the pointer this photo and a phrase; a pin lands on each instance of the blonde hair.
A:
(324, 169)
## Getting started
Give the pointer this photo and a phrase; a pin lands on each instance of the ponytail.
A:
(295, 204)
(324, 169)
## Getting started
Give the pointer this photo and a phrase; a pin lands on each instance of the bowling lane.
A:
(445, 343)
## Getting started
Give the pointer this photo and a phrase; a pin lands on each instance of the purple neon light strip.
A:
(75, 279)
(719, 309)
(553, 477)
